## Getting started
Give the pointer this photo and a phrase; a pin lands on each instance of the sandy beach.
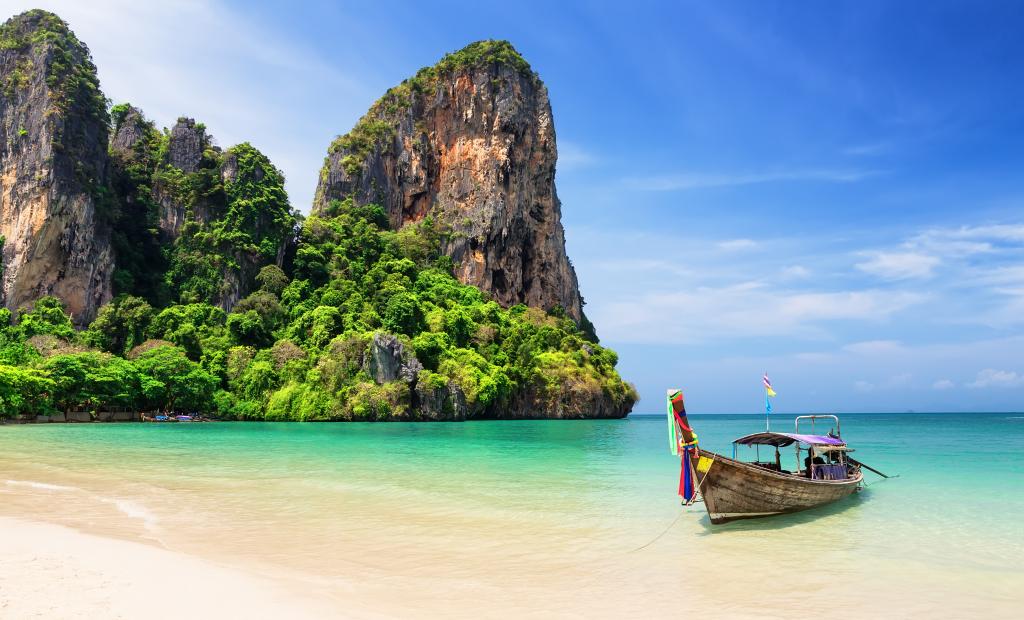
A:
(50, 571)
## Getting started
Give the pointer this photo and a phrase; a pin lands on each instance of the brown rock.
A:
(470, 142)
(53, 169)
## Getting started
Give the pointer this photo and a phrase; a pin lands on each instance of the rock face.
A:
(185, 149)
(387, 360)
(218, 216)
(53, 168)
(441, 402)
(471, 143)
(185, 153)
(129, 133)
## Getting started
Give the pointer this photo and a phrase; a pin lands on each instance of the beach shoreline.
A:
(493, 520)
(52, 571)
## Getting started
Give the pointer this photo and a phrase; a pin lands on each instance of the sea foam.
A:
(133, 510)
(40, 485)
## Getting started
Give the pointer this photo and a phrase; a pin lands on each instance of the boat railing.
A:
(812, 418)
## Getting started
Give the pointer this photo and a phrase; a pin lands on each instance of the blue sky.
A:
(831, 192)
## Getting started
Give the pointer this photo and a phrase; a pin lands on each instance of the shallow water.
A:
(544, 517)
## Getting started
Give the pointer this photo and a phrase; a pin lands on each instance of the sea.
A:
(546, 518)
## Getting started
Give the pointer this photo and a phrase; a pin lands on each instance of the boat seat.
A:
(830, 472)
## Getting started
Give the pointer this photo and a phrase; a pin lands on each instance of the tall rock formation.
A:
(220, 216)
(54, 201)
(185, 146)
(138, 243)
(471, 143)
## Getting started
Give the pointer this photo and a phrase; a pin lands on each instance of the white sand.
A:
(49, 571)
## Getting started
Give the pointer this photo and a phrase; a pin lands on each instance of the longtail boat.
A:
(734, 489)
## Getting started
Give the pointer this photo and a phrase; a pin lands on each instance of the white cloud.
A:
(976, 269)
(635, 266)
(700, 180)
(246, 81)
(795, 272)
(1006, 276)
(943, 384)
(967, 241)
(572, 156)
(999, 232)
(733, 245)
(899, 265)
(991, 377)
(874, 347)
(742, 310)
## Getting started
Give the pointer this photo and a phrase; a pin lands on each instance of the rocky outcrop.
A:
(440, 402)
(53, 168)
(248, 178)
(221, 215)
(471, 143)
(569, 401)
(387, 360)
(129, 133)
(185, 148)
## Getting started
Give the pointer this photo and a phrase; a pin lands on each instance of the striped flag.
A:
(768, 385)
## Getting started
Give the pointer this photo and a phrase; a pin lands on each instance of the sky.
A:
(831, 193)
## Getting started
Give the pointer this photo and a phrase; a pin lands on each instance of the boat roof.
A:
(786, 439)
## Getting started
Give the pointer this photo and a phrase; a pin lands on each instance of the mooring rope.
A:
(665, 531)
(681, 512)
(871, 484)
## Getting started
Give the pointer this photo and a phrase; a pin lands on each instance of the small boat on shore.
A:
(735, 489)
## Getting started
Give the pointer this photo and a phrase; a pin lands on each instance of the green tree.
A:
(272, 279)
(120, 325)
(47, 316)
(24, 391)
(173, 382)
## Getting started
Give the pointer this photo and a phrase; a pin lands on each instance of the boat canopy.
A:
(780, 440)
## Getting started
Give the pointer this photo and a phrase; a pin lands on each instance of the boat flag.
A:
(768, 394)
(683, 442)
(768, 385)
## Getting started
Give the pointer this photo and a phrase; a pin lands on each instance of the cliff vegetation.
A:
(371, 325)
(391, 301)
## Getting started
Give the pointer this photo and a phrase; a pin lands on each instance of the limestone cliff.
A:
(471, 143)
(220, 215)
(54, 203)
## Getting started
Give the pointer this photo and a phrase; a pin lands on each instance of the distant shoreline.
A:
(774, 416)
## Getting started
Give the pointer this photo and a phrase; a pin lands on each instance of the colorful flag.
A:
(682, 441)
(768, 385)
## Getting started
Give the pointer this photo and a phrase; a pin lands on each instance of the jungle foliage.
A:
(296, 347)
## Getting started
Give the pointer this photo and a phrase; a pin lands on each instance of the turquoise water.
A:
(523, 505)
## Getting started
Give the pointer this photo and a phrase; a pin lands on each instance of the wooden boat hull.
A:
(735, 490)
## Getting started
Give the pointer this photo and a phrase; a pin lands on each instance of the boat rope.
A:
(678, 516)
(663, 532)
(871, 484)
(706, 471)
